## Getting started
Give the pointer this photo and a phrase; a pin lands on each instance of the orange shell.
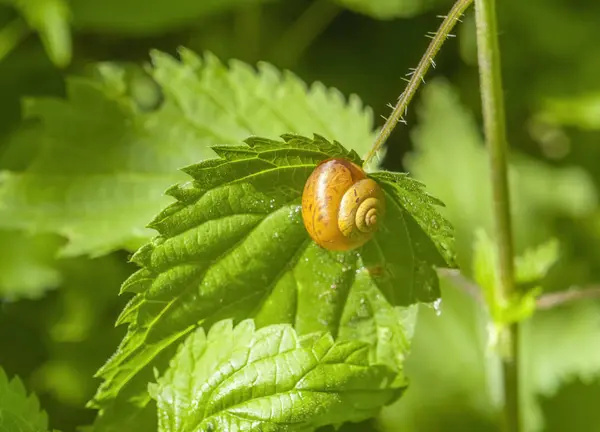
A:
(321, 200)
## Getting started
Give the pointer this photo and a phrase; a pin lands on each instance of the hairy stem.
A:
(11, 35)
(495, 135)
(574, 294)
(417, 75)
(315, 19)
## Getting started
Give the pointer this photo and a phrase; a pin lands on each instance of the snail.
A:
(341, 207)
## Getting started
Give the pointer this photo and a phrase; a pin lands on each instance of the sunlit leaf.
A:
(19, 412)
(234, 246)
(105, 161)
(268, 380)
(530, 270)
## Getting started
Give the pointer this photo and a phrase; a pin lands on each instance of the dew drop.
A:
(293, 213)
(187, 185)
(437, 306)
(157, 241)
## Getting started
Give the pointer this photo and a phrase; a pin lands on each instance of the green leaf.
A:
(27, 265)
(548, 338)
(388, 9)
(574, 407)
(143, 17)
(126, 415)
(485, 266)
(370, 318)
(457, 376)
(234, 246)
(19, 412)
(559, 346)
(579, 111)
(535, 263)
(447, 140)
(105, 160)
(268, 380)
(453, 375)
(530, 269)
(51, 19)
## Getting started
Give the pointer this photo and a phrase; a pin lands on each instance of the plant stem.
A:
(417, 76)
(313, 21)
(574, 294)
(495, 135)
(11, 35)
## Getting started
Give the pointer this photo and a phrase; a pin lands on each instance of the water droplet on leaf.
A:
(437, 306)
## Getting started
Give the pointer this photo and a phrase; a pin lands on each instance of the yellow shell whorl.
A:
(361, 207)
(366, 215)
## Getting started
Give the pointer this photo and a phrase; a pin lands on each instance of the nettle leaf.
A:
(27, 264)
(549, 343)
(141, 17)
(369, 317)
(234, 246)
(268, 380)
(451, 370)
(530, 270)
(18, 411)
(51, 18)
(548, 337)
(447, 136)
(531, 267)
(104, 160)
(581, 111)
(388, 9)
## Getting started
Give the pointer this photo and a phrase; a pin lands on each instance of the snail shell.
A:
(341, 207)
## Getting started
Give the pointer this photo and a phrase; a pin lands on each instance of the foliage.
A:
(27, 267)
(550, 340)
(51, 19)
(447, 137)
(18, 411)
(268, 379)
(234, 245)
(236, 317)
(204, 104)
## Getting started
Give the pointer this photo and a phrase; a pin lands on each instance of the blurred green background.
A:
(57, 313)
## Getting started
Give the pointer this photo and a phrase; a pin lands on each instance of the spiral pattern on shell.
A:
(341, 207)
